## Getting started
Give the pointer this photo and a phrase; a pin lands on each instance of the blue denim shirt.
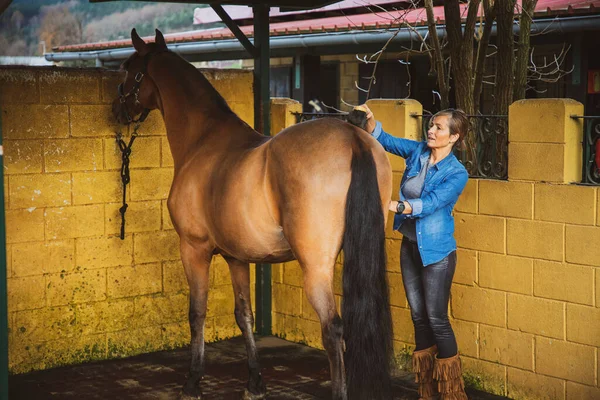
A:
(444, 182)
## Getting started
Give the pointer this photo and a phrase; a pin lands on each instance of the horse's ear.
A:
(160, 41)
(138, 44)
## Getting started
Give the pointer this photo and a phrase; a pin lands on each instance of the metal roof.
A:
(364, 22)
(286, 4)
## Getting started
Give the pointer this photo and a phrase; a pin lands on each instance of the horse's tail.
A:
(366, 312)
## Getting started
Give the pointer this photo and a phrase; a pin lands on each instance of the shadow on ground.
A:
(290, 370)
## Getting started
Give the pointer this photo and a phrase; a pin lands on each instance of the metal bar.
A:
(585, 116)
(235, 29)
(468, 115)
(262, 123)
(3, 285)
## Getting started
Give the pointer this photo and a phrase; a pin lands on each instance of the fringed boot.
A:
(448, 374)
(423, 362)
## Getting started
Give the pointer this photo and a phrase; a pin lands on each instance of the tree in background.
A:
(60, 27)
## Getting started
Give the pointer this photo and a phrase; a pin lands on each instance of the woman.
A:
(432, 181)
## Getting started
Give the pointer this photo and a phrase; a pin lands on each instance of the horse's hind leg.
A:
(196, 263)
(318, 285)
(240, 278)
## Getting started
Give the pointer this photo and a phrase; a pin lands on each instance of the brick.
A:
(567, 282)
(292, 274)
(287, 299)
(277, 273)
(141, 216)
(396, 288)
(535, 239)
(527, 385)
(466, 267)
(467, 303)
(35, 122)
(544, 121)
(40, 190)
(103, 252)
(96, 187)
(128, 281)
(9, 261)
(226, 327)
(167, 224)
(154, 125)
(487, 376)
(166, 158)
(177, 335)
(134, 341)
(583, 324)
(157, 310)
(478, 232)
(49, 323)
(578, 248)
(39, 258)
(19, 86)
(506, 199)
(311, 331)
(106, 316)
(534, 315)
(73, 155)
(565, 360)
(156, 246)
(392, 249)
(597, 288)
(78, 349)
(145, 153)
(26, 293)
(24, 225)
(546, 162)
(230, 83)
(580, 199)
(93, 121)
(221, 301)
(74, 221)
(22, 157)
(402, 324)
(338, 288)
(108, 85)
(152, 184)
(68, 86)
(576, 391)
(506, 347)
(467, 202)
(508, 273)
(76, 287)
(174, 279)
(244, 110)
(467, 337)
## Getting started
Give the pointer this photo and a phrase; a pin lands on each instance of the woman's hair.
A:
(458, 124)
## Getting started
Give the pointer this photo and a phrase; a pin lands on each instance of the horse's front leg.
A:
(240, 278)
(196, 263)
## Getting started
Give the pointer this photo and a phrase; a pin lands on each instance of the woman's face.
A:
(438, 135)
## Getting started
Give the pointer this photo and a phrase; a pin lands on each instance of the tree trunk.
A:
(523, 50)
(490, 16)
(505, 56)
(437, 56)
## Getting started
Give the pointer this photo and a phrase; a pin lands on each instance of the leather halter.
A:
(135, 91)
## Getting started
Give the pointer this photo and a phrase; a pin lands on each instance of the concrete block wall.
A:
(76, 291)
(525, 302)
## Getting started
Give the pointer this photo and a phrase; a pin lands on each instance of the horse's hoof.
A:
(251, 396)
(185, 396)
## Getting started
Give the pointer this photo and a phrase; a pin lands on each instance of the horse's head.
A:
(138, 93)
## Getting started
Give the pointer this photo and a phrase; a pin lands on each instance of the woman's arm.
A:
(398, 146)
(443, 194)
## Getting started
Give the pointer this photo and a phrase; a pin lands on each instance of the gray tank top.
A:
(412, 190)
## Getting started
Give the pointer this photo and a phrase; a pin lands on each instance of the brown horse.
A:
(314, 189)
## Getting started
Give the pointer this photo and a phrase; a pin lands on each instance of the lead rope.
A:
(125, 177)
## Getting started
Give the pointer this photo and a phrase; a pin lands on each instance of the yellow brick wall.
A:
(525, 302)
(77, 292)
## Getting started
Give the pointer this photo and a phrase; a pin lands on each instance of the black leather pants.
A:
(428, 293)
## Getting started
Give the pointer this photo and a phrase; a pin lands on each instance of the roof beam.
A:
(235, 29)
(285, 4)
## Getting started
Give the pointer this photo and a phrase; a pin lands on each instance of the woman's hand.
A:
(370, 126)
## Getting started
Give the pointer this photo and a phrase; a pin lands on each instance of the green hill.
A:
(27, 23)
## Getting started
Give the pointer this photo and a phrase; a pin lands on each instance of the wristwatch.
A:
(400, 207)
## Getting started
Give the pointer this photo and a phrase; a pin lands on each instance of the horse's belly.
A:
(253, 246)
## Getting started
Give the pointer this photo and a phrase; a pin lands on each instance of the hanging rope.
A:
(125, 177)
